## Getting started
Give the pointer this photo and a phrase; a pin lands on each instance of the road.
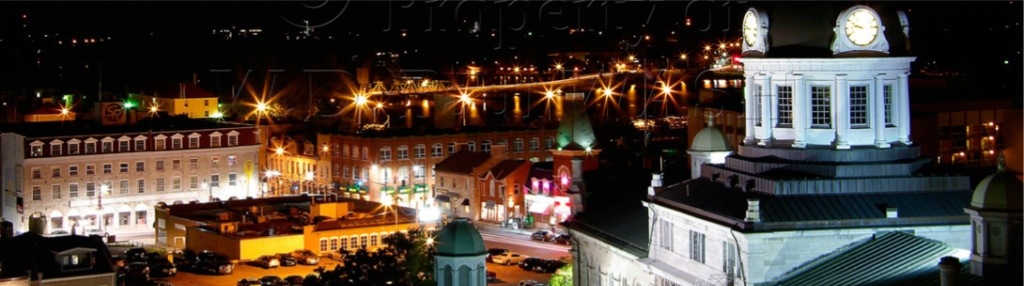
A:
(493, 237)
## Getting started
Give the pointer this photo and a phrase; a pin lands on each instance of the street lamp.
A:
(388, 203)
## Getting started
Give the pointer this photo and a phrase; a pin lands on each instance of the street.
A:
(493, 238)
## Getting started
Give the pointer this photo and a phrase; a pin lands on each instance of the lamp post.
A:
(389, 204)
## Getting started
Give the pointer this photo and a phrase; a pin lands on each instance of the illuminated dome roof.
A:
(999, 191)
(460, 238)
(710, 139)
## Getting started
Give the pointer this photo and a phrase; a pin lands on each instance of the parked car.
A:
(213, 262)
(548, 266)
(491, 276)
(542, 235)
(338, 255)
(530, 283)
(270, 280)
(528, 263)
(287, 259)
(493, 251)
(267, 261)
(160, 266)
(135, 254)
(294, 280)
(563, 239)
(249, 282)
(137, 270)
(305, 256)
(508, 258)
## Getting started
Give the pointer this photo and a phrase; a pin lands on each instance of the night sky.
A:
(145, 43)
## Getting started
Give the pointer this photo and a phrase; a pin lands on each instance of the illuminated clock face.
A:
(861, 27)
(750, 28)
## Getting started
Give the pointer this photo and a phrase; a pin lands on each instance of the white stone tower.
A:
(996, 212)
(709, 147)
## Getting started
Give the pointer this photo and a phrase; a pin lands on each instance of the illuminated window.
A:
(887, 97)
(363, 241)
(334, 243)
(373, 240)
(821, 107)
(323, 244)
(437, 150)
(344, 243)
(421, 151)
(403, 152)
(385, 154)
(785, 110)
(859, 106)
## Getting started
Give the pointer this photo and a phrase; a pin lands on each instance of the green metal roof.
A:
(893, 258)
(460, 238)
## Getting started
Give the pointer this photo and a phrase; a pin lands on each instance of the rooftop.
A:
(93, 128)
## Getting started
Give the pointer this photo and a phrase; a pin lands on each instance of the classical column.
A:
(841, 114)
(472, 277)
(766, 111)
(799, 112)
(878, 112)
(748, 95)
(903, 108)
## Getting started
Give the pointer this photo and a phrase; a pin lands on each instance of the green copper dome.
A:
(1002, 191)
(460, 238)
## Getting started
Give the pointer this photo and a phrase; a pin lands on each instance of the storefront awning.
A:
(387, 190)
(404, 189)
(419, 188)
(540, 207)
(441, 198)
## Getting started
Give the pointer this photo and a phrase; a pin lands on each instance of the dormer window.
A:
(233, 138)
(307, 149)
(176, 142)
(36, 149)
(76, 259)
(55, 149)
(140, 143)
(73, 147)
(193, 141)
(215, 139)
(124, 144)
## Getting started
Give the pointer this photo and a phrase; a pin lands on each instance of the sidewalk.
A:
(495, 227)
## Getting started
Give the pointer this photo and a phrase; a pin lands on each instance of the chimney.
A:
(655, 183)
(949, 271)
(753, 210)
(891, 212)
(499, 151)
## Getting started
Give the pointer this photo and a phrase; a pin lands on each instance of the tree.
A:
(563, 276)
(406, 259)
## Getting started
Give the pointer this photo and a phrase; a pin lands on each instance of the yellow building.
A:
(187, 99)
(247, 229)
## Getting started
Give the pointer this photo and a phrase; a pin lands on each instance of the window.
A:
(176, 143)
(334, 243)
(418, 171)
(140, 145)
(140, 166)
(55, 190)
(232, 139)
(160, 165)
(55, 172)
(665, 238)
(451, 148)
(176, 164)
(161, 144)
(160, 184)
(72, 148)
(90, 147)
(485, 146)
(73, 190)
(215, 180)
(344, 242)
(193, 182)
(122, 146)
(72, 170)
(232, 160)
(355, 243)
(366, 153)
(123, 187)
(729, 265)
(232, 179)
(193, 163)
(549, 143)
(403, 152)
(373, 239)
(345, 151)
(517, 146)
(385, 154)
(859, 106)
(37, 193)
(534, 144)
(757, 105)
(215, 161)
(697, 246)
(887, 97)
(37, 150)
(437, 150)
(471, 146)
(37, 173)
(90, 189)
(362, 241)
(176, 183)
(344, 172)
(55, 149)
(821, 107)
(108, 168)
(193, 142)
(307, 149)
(323, 245)
(421, 151)
(215, 141)
(90, 169)
(123, 167)
(785, 110)
(141, 186)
